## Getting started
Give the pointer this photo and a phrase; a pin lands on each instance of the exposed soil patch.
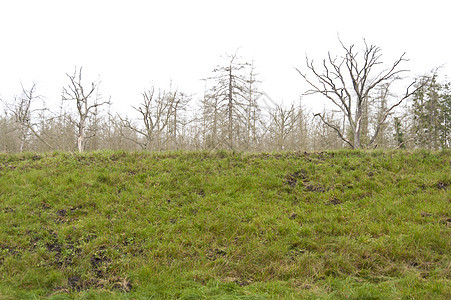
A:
(9, 210)
(425, 214)
(74, 208)
(57, 247)
(61, 213)
(292, 179)
(36, 157)
(46, 206)
(214, 254)
(8, 251)
(74, 282)
(118, 156)
(238, 281)
(99, 262)
(446, 221)
(442, 186)
(121, 284)
(335, 201)
(319, 188)
(201, 193)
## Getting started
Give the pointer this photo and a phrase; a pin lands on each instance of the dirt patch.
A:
(56, 248)
(121, 284)
(64, 252)
(335, 201)
(61, 216)
(9, 210)
(238, 281)
(100, 262)
(74, 282)
(46, 206)
(36, 157)
(77, 283)
(446, 222)
(74, 208)
(292, 179)
(318, 188)
(216, 253)
(118, 156)
(61, 213)
(8, 251)
(442, 186)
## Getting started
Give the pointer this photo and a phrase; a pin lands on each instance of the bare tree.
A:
(210, 120)
(155, 111)
(58, 130)
(379, 103)
(7, 127)
(252, 109)
(300, 133)
(177, 121)
(229, 91)
(25, 113)
(87, 101)
(282, 124)
(348, 82)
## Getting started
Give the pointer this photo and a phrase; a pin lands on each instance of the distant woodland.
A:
(372, 104)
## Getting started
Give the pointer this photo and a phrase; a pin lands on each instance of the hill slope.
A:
(207, 225)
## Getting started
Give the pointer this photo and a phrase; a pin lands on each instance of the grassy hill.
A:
(336, 225)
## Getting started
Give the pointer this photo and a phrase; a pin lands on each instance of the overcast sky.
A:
(132, 44)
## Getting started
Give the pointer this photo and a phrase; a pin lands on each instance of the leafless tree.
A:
(348, 82)
(299, 136)
(87, 99)
(156, 111)
(7, 127)
(25, 113)
(59, 131)
(229, 93)
(252, 109)
(282, 124)
(178, 119)
(379, 105)
(210, 120)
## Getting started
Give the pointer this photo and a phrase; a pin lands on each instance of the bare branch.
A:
(340, 134)
(333, 82)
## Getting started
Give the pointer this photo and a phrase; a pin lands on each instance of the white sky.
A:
(132, 44)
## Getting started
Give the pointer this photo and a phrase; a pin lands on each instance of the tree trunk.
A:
(81, 135)
(230, 107)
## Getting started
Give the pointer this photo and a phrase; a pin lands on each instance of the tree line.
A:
(367, 110)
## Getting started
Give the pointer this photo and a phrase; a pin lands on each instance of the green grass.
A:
(198, 225)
